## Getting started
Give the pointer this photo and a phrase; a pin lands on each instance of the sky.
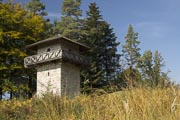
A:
(156, 21)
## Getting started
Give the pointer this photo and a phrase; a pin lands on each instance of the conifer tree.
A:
(102, 41)
(145, 63)
(131, 49)
(92, 37)
(158, 64)
(109, 57)
(131, 53)
(37, 7)
(70, 24)
(150, 66)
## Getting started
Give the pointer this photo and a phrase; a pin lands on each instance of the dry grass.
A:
(136, 104)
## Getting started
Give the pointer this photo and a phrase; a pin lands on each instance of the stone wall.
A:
(70, 79)
(44, 48)
(63, 45)
(58, 77)
(49, 78)
(69, 47)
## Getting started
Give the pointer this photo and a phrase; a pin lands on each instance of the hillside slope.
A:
(136, 104)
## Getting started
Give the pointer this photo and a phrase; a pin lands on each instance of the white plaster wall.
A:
(63, 45)
(49, 78)
(53, 47)
(70, 47)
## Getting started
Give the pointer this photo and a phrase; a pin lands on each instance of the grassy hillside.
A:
(136, 104)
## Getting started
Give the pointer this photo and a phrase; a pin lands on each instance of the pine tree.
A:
(131, 53)
(145, 63)
(158, 64)
(70, 24)
(150, 66)
(36, 7)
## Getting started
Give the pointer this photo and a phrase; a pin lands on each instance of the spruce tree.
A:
(109, 56)
(102, 41)
(92, 37)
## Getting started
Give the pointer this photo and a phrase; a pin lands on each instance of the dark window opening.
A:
(49, 49)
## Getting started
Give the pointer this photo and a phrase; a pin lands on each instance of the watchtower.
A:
(58, 62)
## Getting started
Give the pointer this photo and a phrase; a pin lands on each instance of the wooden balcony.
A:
(62, 55)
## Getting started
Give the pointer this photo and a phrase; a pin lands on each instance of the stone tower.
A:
(58, 62)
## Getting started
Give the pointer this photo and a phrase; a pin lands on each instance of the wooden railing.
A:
(55, 55)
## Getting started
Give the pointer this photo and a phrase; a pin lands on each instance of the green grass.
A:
(136, 104)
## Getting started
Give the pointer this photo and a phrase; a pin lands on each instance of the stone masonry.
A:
(59, 75)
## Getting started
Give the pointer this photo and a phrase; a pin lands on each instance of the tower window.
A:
(48, 49)
(48, 73)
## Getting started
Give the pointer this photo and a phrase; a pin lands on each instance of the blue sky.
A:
(156, 21)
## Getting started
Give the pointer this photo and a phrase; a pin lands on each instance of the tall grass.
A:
(135, 104)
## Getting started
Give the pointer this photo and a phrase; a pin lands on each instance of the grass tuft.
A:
(135, 104)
